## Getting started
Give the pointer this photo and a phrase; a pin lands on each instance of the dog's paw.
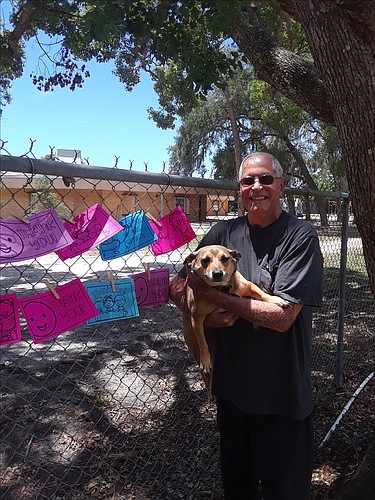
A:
(205, 366)
(281, 302)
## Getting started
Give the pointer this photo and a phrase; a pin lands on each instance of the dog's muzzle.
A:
(217, 275)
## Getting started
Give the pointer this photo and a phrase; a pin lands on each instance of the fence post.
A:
(342, 286)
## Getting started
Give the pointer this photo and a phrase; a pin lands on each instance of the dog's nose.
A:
(217, 275)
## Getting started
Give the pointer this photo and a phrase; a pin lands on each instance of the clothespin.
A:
(146, 267)
(150, 216)
(51, 289)
(112, 280)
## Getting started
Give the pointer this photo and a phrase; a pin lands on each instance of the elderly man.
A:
(262, 373)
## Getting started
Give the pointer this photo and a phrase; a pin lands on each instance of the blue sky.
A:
(101, 119)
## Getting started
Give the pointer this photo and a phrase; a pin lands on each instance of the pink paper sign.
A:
(174, 230)
(152, 290)
(89, 229)
(44, 233)
(47, 316)
(10, 330)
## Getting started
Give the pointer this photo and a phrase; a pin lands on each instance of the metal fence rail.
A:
(118, 410)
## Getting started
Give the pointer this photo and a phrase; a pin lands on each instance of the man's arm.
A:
(219, 318)
(261, 313)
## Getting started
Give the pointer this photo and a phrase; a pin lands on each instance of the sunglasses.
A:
(265, 180)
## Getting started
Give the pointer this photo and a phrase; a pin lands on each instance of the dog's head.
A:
(215, 264)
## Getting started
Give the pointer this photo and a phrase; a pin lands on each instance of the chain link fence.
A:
(118, 410)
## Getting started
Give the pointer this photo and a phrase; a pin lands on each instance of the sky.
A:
(101, 119)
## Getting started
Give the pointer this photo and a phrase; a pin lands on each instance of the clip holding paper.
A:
(51, 289)
(146, 267)
(150, 216)
(112, 280)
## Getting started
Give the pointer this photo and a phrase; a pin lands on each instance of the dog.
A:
(216, 265)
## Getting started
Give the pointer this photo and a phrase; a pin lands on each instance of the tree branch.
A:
(287, 72)
(22, 24)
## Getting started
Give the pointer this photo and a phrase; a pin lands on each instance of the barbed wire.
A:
(76, 158)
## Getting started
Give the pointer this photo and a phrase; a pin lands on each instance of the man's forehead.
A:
(259, 160)
(263, 164)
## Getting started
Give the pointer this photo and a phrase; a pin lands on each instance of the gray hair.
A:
(275, 164)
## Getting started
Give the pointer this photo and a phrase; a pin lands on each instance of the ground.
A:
(119, 411)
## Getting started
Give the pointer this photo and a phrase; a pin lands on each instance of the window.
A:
(183, 202)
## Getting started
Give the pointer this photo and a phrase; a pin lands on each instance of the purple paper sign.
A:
(89, 229)
(153, 289)
(174, 230)
(42, 234)
(47, 316)
(10, 330)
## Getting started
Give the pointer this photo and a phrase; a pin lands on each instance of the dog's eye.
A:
(224, 258)
(206, 260)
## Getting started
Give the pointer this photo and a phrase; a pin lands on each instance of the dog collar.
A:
(225, 289)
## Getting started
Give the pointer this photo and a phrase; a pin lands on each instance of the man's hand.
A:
(219, 318)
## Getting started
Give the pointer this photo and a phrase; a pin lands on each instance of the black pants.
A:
(268, 450)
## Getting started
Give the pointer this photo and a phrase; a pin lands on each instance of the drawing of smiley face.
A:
(11, 245)
(141, 289)
(42, 318)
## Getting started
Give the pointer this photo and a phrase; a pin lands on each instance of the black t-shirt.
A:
(260, 370)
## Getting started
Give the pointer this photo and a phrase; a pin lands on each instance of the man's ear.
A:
(235, 255)
(283, 183)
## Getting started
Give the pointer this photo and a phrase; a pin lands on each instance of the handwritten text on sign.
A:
(137, 233)
(113, 304)
(44, 233)
(152, 289)
(47, 317)
(89, 229)
(10, 330)
(173, 231)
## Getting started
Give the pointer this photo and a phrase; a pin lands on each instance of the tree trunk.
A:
(235, 132)
(321, 204)
(340, 89)
(346, 60)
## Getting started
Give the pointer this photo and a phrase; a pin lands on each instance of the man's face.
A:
(262, 201)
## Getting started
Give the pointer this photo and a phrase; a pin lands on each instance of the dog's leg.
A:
(207, 379)
(191, 338)
(205, 358)
(192, 344)
(245, 288)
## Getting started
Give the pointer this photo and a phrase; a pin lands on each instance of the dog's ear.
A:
(189, 259)
(236, 255)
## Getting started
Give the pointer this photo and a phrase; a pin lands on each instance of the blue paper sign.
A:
(137, 233)
(113, 305)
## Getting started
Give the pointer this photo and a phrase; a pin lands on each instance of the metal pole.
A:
(342, 286)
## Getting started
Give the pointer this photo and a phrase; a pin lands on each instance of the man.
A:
(261, 373)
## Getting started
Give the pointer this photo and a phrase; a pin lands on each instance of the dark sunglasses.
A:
(265, 180)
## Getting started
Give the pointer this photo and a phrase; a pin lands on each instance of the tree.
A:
(264, 120)
(337, 88)
(335, 85)
(220, 122)
(42, 197)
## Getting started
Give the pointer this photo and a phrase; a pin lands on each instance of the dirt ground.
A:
(118, 411)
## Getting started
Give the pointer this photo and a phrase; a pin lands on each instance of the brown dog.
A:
(217, 266)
